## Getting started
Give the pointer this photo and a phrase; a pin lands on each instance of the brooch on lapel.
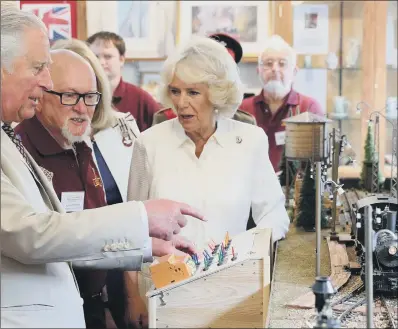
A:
(96, 180)
(238, 139)
(126, 140)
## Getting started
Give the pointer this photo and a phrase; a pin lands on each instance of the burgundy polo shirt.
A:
(71, 173)
(130, 98)
(294, 103)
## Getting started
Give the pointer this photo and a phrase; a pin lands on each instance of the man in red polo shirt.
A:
(277, 99)
(110, 49)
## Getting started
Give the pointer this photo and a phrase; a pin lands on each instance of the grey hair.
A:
(277, 43)
(14, 22)
(204, 60)
(104, 116)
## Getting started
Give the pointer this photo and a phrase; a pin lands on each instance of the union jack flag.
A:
(56, 17)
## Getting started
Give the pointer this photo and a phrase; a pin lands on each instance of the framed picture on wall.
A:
(58, 16)
(63, 19)
(246, 21)
(138, 22)
(150, 82)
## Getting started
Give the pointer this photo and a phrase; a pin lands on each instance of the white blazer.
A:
(117, 155)
(38, 240)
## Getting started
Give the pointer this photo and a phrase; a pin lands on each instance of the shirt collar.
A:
(41, 138)
(292, 98)
(220, 135)
(120, 89)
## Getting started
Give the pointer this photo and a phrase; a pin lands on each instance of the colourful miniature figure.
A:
(234, 256)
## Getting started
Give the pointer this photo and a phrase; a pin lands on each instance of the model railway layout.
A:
(349, 305)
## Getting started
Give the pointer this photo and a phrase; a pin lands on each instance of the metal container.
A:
(306, 137)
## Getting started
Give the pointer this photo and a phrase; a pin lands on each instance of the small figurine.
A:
(234, 256)
(195, 259)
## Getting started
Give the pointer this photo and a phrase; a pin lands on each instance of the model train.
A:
(385, 240)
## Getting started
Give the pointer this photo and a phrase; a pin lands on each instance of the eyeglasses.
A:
(269, 64)
(90, 99)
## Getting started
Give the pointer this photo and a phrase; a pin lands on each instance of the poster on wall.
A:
(133, 21)
(245, 21)
(311, 29)
(56, 16)
(391, 43)
(313, 83)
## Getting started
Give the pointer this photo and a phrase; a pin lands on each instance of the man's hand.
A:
(166, 217)
(178, 246)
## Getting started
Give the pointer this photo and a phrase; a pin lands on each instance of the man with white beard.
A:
(277, 99)
(55, 135)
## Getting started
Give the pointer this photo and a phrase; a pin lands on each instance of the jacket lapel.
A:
(46, 186)
(117, 156)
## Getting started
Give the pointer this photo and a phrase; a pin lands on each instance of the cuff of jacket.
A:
(147, 251)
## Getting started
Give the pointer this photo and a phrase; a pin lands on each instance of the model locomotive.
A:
(385, 241)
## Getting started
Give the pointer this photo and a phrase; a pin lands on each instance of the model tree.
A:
(370, 156)
(306, 214)
(293, 165)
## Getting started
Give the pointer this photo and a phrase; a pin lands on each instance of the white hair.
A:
(277, 43)
(14, 22)
(72, 138)
(204, 60)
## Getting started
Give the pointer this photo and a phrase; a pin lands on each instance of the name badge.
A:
(280, 137)
(72, 201)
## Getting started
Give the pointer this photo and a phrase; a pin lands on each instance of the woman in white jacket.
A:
(112, 141)
(203, 157)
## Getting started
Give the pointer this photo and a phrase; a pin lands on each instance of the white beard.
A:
(276, 88)
(72, 138)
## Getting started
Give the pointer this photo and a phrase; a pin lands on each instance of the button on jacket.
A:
(38, 240)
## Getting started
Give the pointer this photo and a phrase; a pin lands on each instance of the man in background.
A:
(235, 50)
(277, 99)
(110, 49)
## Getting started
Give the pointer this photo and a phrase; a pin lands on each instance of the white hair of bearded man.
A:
(72, 138)
(276, 88)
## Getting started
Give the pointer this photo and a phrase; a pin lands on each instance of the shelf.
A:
(347, 118)
(336, 69)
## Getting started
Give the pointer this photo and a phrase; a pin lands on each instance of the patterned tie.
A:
(10, 132)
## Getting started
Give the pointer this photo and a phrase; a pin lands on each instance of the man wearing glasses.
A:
(277, 100)
(55, 135)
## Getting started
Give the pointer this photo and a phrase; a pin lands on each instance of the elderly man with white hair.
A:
(277, 99)
(39, 241)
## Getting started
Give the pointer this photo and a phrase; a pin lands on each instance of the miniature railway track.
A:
(350, 198)
(389, 316)
(346, 310)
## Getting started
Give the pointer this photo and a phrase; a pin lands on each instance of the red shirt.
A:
(272, 123)
(142, 106)
(71, 173)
